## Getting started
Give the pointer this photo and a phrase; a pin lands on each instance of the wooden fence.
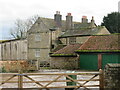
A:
(95, 76)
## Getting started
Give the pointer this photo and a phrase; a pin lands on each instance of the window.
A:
(37, 37)
(32, 62)
(52, 46)
(72, 40)
(37, 53)
(44, 64)
(15, 46)
(5, 47)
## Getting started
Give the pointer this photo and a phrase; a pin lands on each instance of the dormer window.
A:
(37, 37)
(72, 40)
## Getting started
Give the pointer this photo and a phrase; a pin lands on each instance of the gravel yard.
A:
(46, 77)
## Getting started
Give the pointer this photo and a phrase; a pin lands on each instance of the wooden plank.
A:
(72, 86)
(81, 73)
(56, 79)
(50, 81)
(8, 74)
(101, 76)
(53, 81)
(63, 73)
(88, 81)
(7, 80)
(20, 80)
(33, 81)
(75, 81)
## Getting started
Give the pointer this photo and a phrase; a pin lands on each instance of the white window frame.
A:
(37, 37)
(37, 52)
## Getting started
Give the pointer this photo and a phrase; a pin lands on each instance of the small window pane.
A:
(37, 53)
(72, 40)
(37, 37)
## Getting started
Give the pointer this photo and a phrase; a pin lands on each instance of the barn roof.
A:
(4, 41)
(67, 50)
(103, 43)
(58, 48)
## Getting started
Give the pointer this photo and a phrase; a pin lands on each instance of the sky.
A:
(11, 10)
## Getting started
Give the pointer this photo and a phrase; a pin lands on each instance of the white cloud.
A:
(10, 10)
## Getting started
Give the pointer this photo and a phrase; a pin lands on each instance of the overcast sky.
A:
(10, 10)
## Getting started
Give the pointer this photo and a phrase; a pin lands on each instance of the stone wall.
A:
(13, 50)
(112, 76)
(13, 66)
(64, 62)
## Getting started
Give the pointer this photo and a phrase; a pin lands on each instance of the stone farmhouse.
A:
(47, 36)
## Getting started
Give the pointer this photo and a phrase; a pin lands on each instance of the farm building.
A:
(48, 37)
(66, 58)
(94, 54)
(98, 51)
(15, 49)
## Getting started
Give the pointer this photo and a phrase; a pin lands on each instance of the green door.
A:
(88, 62)
(110, 58)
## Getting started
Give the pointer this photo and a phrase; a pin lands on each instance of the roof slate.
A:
(67, 50)
(44, 24)
(58, 47)
(82, 31)
(4, 41)
(101, 43)
(81, 25)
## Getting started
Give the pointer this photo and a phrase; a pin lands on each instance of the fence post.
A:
(20, 79)
(101, 77)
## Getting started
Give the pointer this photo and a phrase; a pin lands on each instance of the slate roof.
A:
(1, 41)
(82, 31)
(67, 50)
(81, 25)
(58, 48)
(105, 43)
(4, 41)
(44, 24)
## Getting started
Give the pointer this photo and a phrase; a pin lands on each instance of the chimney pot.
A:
(69, 14)
(84, 17)
(57, 12)
(92, 20)
(69, 22)
(58, 19)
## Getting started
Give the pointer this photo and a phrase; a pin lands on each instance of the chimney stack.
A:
(84, 19)
(92, 22)
(69, 22)
(58, 19)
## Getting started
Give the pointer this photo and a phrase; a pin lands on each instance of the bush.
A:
(2, 70)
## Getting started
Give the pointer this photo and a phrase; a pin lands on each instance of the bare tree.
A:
(22, 26)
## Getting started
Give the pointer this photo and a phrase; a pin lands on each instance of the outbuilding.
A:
(98, 51)
(65, 58)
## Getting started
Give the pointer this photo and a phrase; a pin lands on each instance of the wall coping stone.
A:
(113, 65)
